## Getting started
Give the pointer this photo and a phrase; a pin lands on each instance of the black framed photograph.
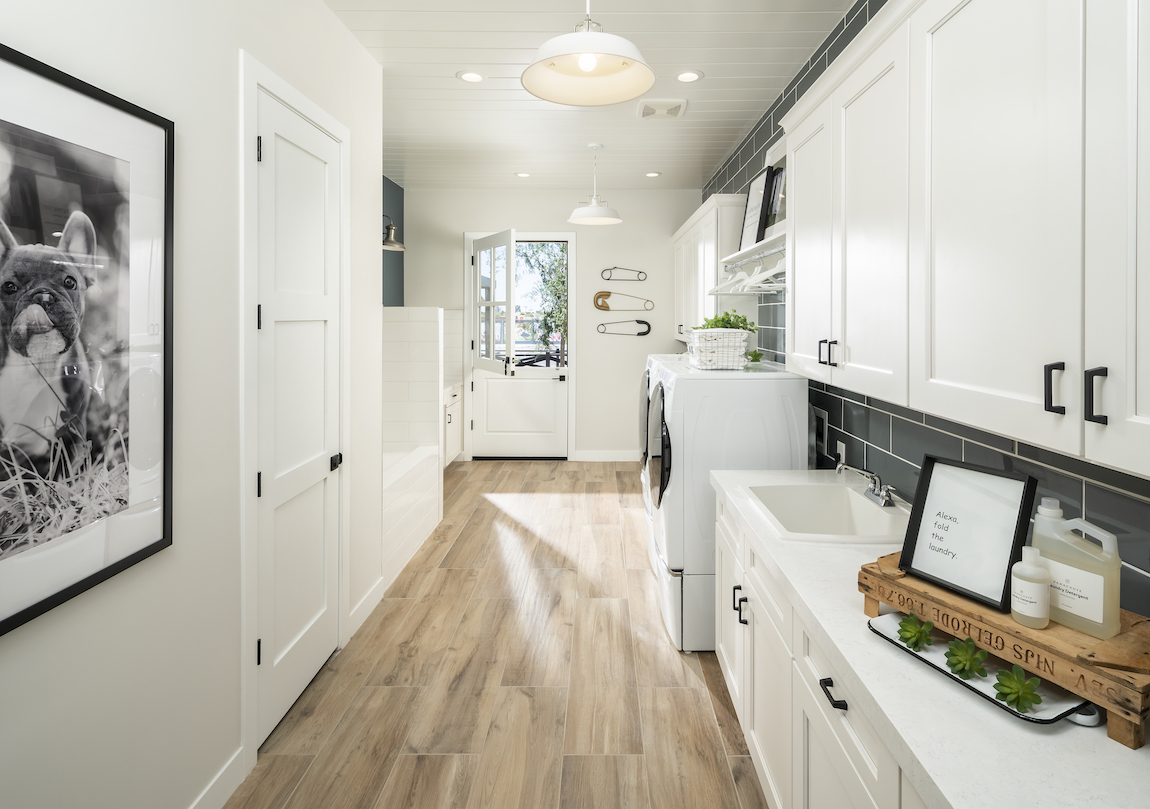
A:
(967, 528)
(85, 336)
(753, 214)
(775, 201)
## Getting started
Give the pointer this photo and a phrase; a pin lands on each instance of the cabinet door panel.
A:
(823, 775)
(707, 276)
(809, 209)
(728, 630)
(767, 712)
(996, 201)
(869, 309)
(1117, 223)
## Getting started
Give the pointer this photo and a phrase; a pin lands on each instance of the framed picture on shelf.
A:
(775, 204)
(753, 215)
(967, 528)
(86, 327)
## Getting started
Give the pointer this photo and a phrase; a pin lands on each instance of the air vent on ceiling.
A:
(654, 109)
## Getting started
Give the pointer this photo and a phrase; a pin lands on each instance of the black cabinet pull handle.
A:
(742, 601)
(821, 344)
(680, 330)
(827, 684)
(1048, 387)
(734, 601)
(1090, 415)
(829, 344)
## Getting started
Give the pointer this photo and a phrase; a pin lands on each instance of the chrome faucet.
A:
(875, 491)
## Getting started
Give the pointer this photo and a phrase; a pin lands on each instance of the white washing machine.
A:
(692, 422)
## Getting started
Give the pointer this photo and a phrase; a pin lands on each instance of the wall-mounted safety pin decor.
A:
(625, 328)
(602, 304)
(623, 274)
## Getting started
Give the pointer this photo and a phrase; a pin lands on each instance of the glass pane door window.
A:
(540, 304)
(493, 287)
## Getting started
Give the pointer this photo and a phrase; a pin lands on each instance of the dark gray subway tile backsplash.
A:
(1116, 501)
(747, 159)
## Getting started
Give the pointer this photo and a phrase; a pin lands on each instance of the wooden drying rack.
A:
(1114, 673)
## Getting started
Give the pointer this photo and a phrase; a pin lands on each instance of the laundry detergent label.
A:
(1078, 592)
(1029, 598)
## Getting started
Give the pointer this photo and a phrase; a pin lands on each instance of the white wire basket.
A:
(718, 349)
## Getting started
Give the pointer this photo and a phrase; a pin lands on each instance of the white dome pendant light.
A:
(595, 211)
(588, 68)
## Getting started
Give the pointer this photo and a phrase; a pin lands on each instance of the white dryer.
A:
(698, 421)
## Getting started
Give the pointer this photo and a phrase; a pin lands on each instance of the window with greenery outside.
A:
(541, 303)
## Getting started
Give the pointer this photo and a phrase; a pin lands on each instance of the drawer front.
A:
(870, 757)
(775, 604)
(724, 517)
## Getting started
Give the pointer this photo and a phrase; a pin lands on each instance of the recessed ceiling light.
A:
(690, 75)
(522, 174)
(470, 76)
(654, 173)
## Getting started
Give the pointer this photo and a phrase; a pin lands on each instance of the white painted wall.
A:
(129, 695)
(607, 367)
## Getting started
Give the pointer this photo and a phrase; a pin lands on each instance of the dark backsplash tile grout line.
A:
(1080, 478)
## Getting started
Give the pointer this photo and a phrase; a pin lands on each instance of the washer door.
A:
(644, 402)
(657, 442)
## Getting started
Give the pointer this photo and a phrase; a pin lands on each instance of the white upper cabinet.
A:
(996, 268)
(868, 348)
(711, 233)
(847, 301)
(809, 209)
(1117, 221)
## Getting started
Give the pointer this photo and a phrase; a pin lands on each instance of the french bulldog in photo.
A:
(45, 381)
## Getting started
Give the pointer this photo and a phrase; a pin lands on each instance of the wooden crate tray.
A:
(1059, 654)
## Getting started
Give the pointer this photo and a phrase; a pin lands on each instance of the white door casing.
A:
(299, 347)
(514, 411)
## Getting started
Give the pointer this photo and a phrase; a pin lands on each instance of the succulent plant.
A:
(1016, 691)
(965, 659)
(914, 633)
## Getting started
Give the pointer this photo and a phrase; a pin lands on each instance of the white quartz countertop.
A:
(957, 749)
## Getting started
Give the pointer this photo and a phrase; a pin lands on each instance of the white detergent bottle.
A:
(1084, 579)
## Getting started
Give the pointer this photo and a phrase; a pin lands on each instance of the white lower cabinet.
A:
(452, 428)
(767, 686)
(822, 772)
(729, 646)
(811, 748)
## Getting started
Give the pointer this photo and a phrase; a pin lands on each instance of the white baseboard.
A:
(605, 455)
(227, 781)
(363, 609)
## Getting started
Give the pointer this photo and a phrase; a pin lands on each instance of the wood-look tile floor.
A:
(518, 661)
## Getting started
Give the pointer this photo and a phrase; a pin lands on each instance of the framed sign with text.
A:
(967, 528)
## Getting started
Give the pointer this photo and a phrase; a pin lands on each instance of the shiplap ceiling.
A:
(442, 132)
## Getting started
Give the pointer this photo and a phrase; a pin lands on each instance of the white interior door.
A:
(520, 397)
(298, 403)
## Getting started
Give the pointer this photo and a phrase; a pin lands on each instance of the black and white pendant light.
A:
(588, 68)
(595, 211)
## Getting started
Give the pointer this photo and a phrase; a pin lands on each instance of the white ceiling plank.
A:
(442, 132)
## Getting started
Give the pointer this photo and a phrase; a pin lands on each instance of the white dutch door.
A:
(299, 255)
(520, 366)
